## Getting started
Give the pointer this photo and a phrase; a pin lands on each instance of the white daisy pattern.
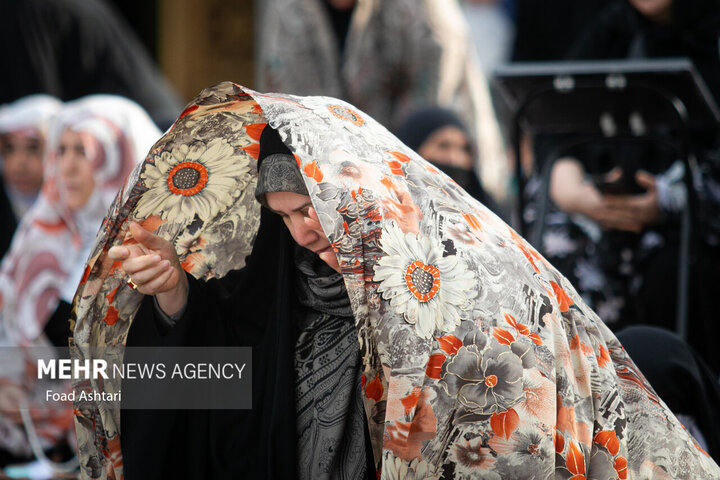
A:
(395, 468)
(200, 178)
(429, 290)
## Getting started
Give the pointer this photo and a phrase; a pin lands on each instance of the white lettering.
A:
(67, 369)
(46, 368)
(52, 396)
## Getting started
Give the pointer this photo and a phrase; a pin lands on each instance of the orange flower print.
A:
(400, 157)
(313, 171)
(564, 301)
(472, 221)
(345, 113)
(111, 317)
(374, 389)
(575, 461)
(253, 150)
(504, 423)
(450, 344)
(395, 167)
(254, 130)
(197, 179)
(621, 467)
(434, 366)
(609, 440)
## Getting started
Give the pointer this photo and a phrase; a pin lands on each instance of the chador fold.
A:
(475, 357)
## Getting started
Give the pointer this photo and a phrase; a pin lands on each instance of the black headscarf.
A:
(419, 125)
(277, 168)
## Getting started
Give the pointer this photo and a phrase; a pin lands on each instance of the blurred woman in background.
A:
(23, 131)
(94, 144)
(439, 136)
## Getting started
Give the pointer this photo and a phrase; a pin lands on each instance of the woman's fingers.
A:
(645, 180)
(614, 175)
(123, 252)
(134, 265)
(161, 282)
(145, 275)
(148, 240)
(118, 253)
(149, 263)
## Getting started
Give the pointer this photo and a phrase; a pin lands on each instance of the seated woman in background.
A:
(23, 131)
(439, 136)
(94, 143)
(614, 232)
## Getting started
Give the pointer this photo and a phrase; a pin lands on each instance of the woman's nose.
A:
(67, 162)
(301, 233)
(458, 157)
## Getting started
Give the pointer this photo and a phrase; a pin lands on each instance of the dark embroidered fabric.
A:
(330, 416)
(279, 173)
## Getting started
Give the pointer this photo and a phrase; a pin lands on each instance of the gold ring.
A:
(132, 284)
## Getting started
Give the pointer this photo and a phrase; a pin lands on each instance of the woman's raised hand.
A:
(154, 268)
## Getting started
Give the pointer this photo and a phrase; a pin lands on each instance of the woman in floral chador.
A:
(478, 360)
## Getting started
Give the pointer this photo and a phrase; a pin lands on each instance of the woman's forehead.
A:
(287, 202)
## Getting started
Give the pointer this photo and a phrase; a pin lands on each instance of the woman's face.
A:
(447, 146)
(655, 10)
(295, 210)
(22, 166)
(76, 169)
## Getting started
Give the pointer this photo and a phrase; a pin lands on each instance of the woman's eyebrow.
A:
(301, 207)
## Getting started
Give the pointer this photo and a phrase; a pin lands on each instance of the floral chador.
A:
(479, 360)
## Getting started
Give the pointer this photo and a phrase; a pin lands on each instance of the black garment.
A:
(621, 32)
(340, 20)
(247, 307)
(8, 222)
(627, 278)
(255, 306)
(57, 328)
(546, 30)
(679, 376)
(72, 48)
(331, 427)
